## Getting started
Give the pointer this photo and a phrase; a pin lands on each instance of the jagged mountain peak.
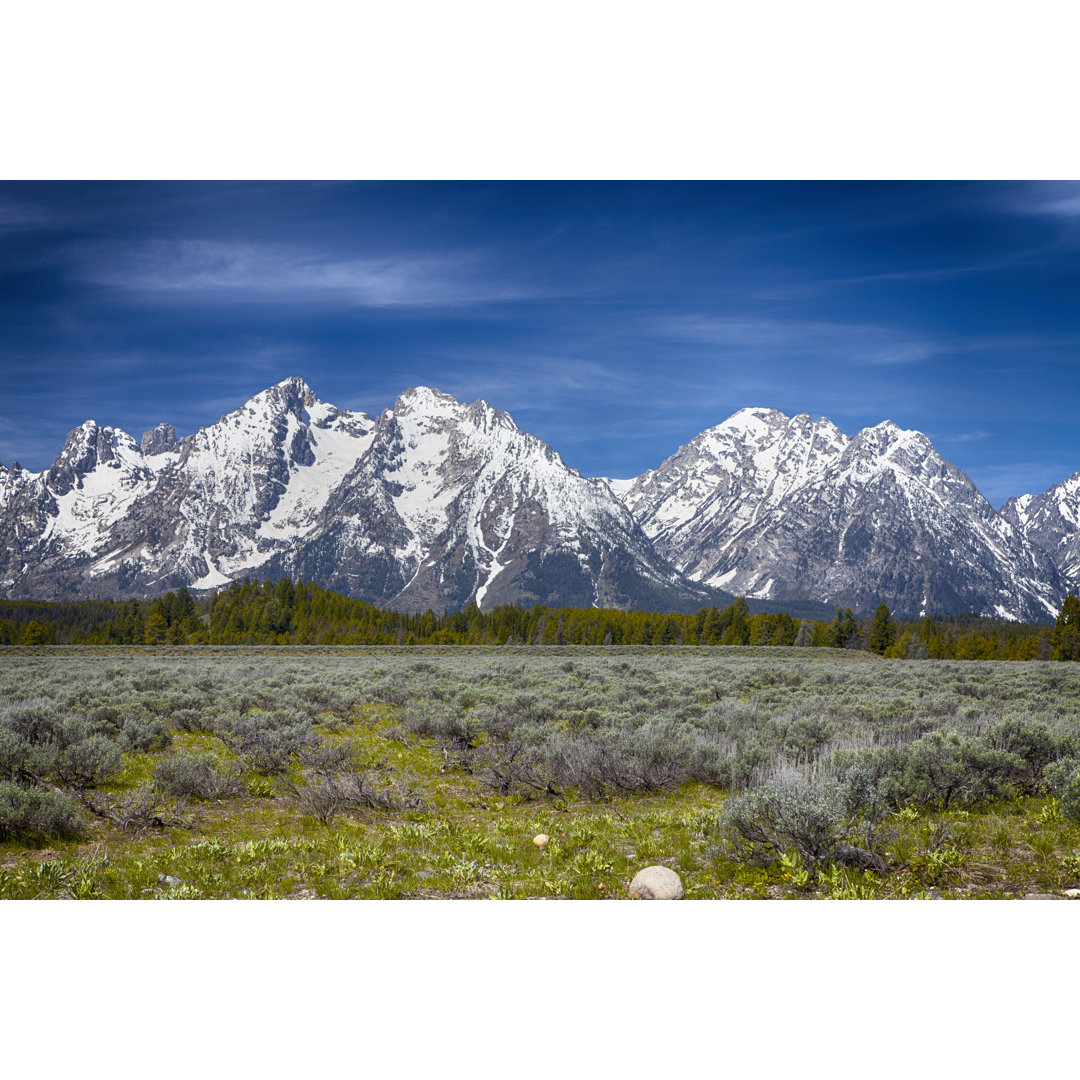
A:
(290, 395)
(438, 502)
(887, 434)
(432, 403)
(425, 399)
(762, 425)
(430, 420)
(86, 448)
(754, 416)
(158, 440)
(886, 449)
(784, 508)
(1051, 522)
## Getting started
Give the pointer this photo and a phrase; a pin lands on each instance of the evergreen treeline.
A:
(286, 613)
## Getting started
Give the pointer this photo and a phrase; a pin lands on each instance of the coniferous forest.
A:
(287, 613)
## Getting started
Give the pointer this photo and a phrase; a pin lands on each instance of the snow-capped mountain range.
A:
(767, 505)
(436, 503)
(432, 505)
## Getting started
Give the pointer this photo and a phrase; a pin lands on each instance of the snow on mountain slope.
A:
(434, 504)
(722, 482)
(437, 503)
(454, 502)
(72, 506)
(99, 474)
(765, 505)
(1051, 522)
(117, 520)
(242, 489)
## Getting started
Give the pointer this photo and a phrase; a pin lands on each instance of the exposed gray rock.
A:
(437, 503)
(1051, 522)
(159, 440)
(656, 883)
(433, 505)
(846, 855)
(790, 508)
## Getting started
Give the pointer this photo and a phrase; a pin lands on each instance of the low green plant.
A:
(1044, 845)
(794, 870)
(260, 787)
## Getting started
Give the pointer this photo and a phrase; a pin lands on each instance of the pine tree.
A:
(882, 630)
(34, 633)
(738, 630)
(1065, 640)
(157, 629)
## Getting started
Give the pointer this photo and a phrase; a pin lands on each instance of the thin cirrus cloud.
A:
(23, 216)
(856, 343)
(214, 271)
(804, 290)
(511, 381)
(966, 437)
(1058, 199)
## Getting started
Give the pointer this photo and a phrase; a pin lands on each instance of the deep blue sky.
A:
(616, 321)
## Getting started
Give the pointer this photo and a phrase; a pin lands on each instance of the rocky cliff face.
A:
(785, 508)
(453, 502)
(1051, 523)
(434, 504)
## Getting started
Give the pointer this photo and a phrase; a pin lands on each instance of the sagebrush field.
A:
(426, 772)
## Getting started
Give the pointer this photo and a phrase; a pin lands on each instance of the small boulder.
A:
(656, 883)
(846, 855)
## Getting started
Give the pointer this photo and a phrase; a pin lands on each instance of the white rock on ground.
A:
(656, 883)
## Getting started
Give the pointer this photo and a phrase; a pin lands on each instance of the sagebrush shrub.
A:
(943, 766)
(28, 813)
(198, 776)
(88, 762)
(327, 796)
(1032, 742)
(142, 735)
(267, 741)
(789, 812)
(1070, 797)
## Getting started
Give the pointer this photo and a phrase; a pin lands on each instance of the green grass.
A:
(465, 840)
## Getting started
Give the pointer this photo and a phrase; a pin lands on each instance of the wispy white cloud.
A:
(802, 290)
(227, 271)
(1058, 198)
(23, 216)
(512, 381)
(963, 437)
(857, 343)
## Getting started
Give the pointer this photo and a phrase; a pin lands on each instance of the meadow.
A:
(426, 772)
